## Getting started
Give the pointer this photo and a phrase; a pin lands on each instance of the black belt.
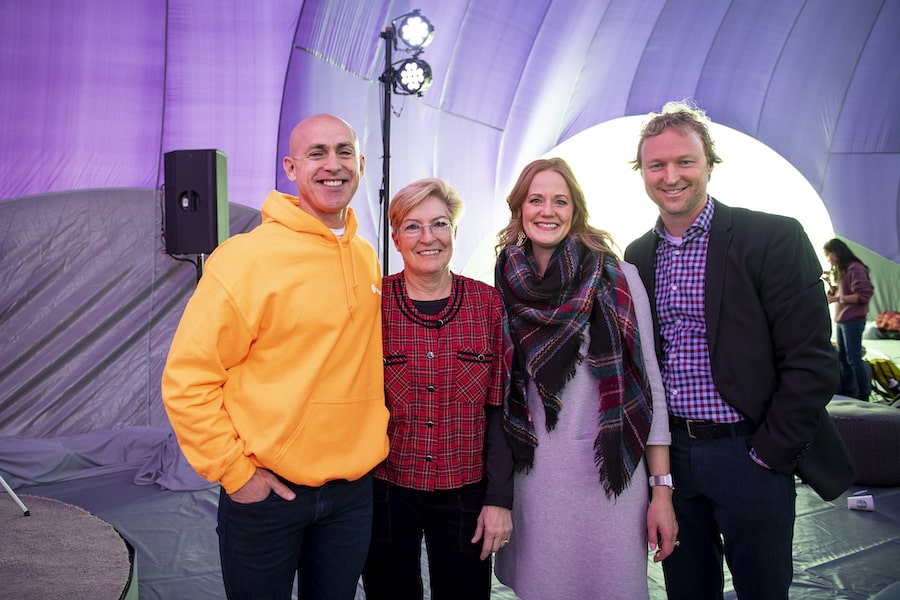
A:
(708, 430)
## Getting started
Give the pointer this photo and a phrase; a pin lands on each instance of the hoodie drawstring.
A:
(344, 246)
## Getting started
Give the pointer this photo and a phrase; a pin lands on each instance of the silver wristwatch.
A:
(665, 480)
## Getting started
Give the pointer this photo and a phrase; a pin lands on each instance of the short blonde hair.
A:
(417, 192)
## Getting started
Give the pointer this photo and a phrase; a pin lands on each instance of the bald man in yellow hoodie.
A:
(274, 382)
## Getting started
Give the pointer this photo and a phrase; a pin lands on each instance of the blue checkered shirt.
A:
(686, 370)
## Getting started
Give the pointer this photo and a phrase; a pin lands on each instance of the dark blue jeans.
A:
(322, 536)
(447, 518)
(855, 379)
(729, 506)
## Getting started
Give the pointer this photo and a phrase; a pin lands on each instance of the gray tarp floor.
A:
(838, 553)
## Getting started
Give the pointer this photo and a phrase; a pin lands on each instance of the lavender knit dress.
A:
(569, 542)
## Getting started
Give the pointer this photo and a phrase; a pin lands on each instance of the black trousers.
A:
(447, 519)
(728, 507)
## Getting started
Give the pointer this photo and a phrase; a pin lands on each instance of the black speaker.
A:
(196, 201)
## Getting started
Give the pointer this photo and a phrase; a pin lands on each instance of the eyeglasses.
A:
(438, 228)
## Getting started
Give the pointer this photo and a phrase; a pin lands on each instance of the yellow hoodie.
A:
(277, 361)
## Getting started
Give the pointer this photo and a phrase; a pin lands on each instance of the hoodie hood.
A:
(285, 209)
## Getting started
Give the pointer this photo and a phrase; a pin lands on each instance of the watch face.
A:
(656, 480)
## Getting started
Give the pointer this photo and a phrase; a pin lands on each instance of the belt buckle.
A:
(690, 431)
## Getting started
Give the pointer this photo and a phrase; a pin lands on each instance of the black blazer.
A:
(769, 335)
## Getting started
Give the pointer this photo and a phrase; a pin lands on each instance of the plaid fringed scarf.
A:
(547, 317)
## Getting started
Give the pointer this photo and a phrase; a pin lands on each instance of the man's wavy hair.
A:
(684, 116)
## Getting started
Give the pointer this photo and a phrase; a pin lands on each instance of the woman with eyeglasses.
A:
(447, 357)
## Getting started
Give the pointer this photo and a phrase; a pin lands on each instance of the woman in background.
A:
(586, 415)
(850, 291)
(447, 355)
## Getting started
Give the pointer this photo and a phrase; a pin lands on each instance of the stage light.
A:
(414, 30)
(412, 76)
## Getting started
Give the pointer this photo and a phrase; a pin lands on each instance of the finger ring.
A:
(504, 541)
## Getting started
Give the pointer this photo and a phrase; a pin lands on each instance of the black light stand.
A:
(412, 78)
(387, 81)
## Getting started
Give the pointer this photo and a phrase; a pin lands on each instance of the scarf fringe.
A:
(614, 481)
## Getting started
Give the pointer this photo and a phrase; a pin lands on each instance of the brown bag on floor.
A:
(888, 323)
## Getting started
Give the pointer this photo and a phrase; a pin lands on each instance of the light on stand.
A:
(408, 77)
(412, 76)
(414, 30)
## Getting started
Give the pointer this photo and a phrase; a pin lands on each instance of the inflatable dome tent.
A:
(96, 92)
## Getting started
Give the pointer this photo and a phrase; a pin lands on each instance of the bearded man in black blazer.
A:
(743, 334)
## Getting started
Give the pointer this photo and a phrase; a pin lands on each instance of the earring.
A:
(520, 239)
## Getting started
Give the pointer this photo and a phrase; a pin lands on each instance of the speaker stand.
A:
(198, 263)
(201, 259)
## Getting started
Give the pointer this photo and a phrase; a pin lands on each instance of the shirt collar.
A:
(700, 225)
